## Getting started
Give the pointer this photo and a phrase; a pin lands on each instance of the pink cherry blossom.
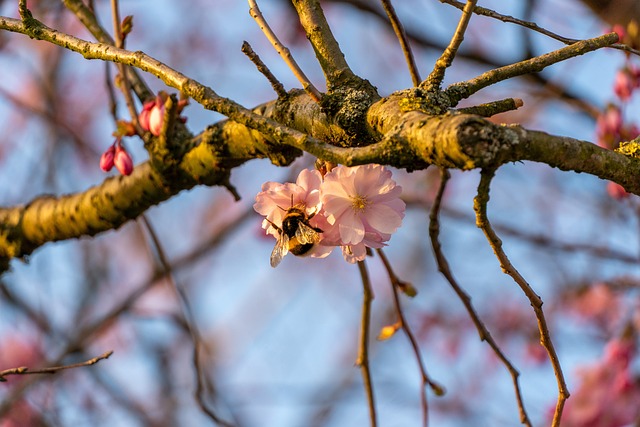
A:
(275, 199)
(623, 85)
(598, 304)
(355, 207)
(607, 395)
(362, 203)
(626, 81)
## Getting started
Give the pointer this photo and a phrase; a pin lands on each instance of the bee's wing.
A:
(306, 234)
(280, 250)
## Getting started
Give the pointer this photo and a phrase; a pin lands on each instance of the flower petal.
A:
(351, 229)
(383, 218)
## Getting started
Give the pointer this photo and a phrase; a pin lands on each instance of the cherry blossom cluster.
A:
(611, 128)
(150, 119)
(608, 394)
(354, 207)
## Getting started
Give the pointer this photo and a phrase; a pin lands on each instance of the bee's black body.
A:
(296, 235)
(290, 226)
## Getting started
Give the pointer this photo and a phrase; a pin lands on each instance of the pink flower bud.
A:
(156, 117)
(620, 30)
(123, 161)
(616, 191)
(106, 160)
(143, 117)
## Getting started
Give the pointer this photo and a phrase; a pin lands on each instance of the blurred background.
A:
(277, 346)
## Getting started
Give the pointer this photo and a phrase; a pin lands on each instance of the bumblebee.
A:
(296, 235)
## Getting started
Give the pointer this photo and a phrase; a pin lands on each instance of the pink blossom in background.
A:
(607, 395)
(16, 352)
(598, 304)
(623, 85)
(609, 126)
(620, 30)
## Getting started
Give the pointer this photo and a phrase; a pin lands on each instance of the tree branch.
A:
(330, 57)
(407, 139)
(482, 221)
(283, 51)
(23, 370)
(434, 81)
(363, 343)
(462, 90)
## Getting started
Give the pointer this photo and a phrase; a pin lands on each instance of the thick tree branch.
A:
(406, 139)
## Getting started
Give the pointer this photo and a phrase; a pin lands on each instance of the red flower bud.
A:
(616, 191)
(106, 160)
(123, 161)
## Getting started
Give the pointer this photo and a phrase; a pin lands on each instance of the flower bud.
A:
(156, 117)
(123, 161)
(106, 160)
(616, 191)
(388, 331)
(143, 117)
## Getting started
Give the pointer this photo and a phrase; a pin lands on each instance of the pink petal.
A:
(383, 218)
(351, 229)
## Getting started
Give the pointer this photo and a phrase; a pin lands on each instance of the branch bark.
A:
(402, 136)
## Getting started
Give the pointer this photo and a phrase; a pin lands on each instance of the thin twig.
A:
(328, 53)
(88, 19)
(426, 380)
(283, 51)
(189, 323)
(125, 85)
(421, 39)
(23, 10)
(531, 25)
(443, 267)
(492, 108)
(275, 83)
(538, 239)
(363, 347)
(404, 42)
(482, 221)
(461, 90)
(434, 81)
(23, 370)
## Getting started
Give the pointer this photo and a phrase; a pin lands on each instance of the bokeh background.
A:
(277, 346)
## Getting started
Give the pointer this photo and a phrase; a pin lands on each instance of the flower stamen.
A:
(359, 203)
